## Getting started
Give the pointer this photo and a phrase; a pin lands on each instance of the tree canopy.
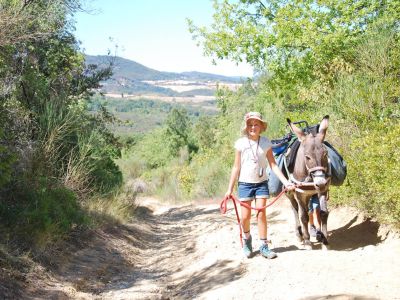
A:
(293, 40)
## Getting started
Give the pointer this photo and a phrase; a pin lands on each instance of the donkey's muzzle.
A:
(320, 179)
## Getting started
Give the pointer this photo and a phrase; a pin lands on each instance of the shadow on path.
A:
(350, 237)
(150, 248)
(214, 276)
(339, 297)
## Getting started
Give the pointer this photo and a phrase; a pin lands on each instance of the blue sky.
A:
(151, 32)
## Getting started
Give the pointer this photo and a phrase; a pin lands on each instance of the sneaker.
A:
(266, 252)
(313, 231)
(247, 247)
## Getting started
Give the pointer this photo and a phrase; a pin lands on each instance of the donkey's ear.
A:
(296, 130)
(323, 127)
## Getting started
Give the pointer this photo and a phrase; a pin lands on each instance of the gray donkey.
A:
(311, 171)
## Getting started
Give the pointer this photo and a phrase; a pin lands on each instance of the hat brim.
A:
(244, 128)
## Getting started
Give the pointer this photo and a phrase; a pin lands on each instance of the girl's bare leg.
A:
(262, 219)
(246, 218)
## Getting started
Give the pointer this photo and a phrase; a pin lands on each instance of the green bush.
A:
(211, 173)
(42, 213)
(131, 166)
(6, 161)
(374, 168)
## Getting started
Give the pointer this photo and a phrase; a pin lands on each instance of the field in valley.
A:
(142, 112)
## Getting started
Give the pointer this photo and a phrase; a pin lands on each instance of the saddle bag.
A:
(338, 165)
(279, 147)
(274, 184)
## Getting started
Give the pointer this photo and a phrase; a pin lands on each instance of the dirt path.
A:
(193, 252)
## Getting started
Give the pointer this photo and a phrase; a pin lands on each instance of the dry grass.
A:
(117, 208)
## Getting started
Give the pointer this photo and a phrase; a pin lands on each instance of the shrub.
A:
(41, 213)
(211, 172)
(185, 180)
(374, 167)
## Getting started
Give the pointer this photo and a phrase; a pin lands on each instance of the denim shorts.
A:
(251, 191)
(313, 204)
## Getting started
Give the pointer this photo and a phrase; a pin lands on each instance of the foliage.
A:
(41, 211)
(204, 132)
(296, 44)
(6, 161)
(372, 187)
(186, 180)
(371, 92)
(177, 134)
(152, 150)
(23, 21)
(49, 141)
(144, 114)
(366, 105)
(211, 171)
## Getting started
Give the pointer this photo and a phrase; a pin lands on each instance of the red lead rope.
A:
(224, 204)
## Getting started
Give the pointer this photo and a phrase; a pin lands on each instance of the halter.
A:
(308, 181)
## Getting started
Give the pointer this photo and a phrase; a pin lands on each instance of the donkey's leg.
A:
(304, 224)
(324, 218)
(295, 209)
(302, 201)
(303, 217)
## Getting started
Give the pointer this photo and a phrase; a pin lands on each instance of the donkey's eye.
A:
(308, 157)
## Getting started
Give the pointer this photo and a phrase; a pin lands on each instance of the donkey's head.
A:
(312, 157)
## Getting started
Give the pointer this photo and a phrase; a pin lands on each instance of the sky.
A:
(153, 33)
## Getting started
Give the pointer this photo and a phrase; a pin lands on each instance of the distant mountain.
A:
(130, 77)
(129, 69)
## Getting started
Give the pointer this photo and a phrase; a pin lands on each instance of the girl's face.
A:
(254, 128)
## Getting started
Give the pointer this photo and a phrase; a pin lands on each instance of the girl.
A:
(251, 154)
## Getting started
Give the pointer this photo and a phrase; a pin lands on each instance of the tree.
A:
(204, 131)
(293, 41)
(178, 132)
(45, 86)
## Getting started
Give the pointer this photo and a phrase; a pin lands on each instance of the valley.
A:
(141, 98)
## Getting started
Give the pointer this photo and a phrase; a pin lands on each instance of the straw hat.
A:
(255, 116)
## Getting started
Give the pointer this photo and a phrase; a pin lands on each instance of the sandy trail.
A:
(193, 252)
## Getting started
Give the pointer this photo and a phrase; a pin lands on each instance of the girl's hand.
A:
(228, 194)
(290, 186)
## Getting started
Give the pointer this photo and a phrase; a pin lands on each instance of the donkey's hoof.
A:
(325, 247)
(319, 236)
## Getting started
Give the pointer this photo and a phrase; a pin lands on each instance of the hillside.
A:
(130, 77)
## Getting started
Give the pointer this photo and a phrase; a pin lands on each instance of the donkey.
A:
(311, 173)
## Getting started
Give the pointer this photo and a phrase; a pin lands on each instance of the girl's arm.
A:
(234, 173)
(277, 171)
